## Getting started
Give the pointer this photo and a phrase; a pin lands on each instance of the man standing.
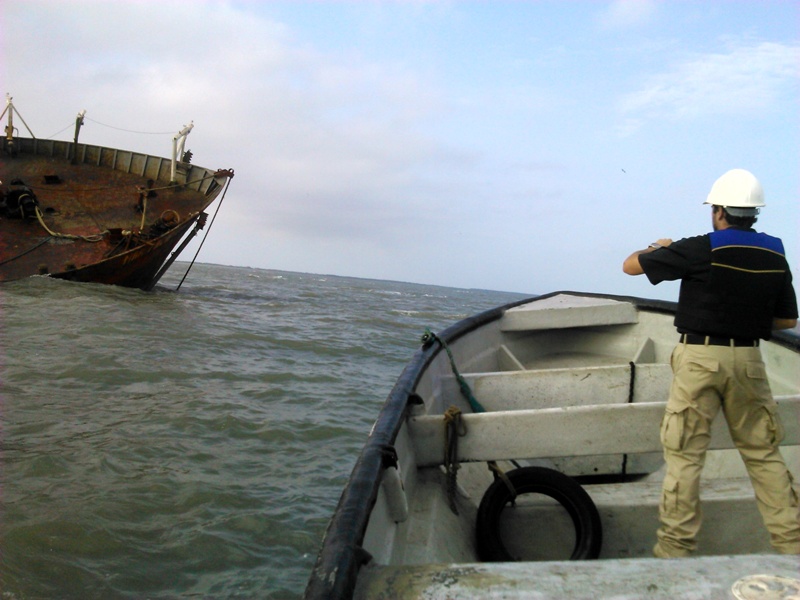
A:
(736, 287)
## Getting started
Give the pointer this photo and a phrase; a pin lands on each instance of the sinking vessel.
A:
(518, 455)
(93, 214)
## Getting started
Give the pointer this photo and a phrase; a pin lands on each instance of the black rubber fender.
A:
(549, 482)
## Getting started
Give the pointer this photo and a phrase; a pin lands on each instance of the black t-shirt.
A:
(735, 290)
(689, 258)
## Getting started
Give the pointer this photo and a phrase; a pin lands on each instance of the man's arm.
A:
(631, 266)
(783, 323)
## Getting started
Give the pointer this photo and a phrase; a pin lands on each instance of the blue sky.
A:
(517, 146)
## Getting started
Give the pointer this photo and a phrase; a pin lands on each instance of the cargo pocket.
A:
(669, 495)
(673, 425)
(757, 379)
(756, 370)
(696, 364)
(775, 430)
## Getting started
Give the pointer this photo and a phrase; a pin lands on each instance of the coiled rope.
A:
(53, 234)
(455, 428)
(86, 238)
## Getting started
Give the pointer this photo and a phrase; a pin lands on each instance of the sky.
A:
(512, 146)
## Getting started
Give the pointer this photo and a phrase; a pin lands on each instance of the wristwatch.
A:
(655, 246)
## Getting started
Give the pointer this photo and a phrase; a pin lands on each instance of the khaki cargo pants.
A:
(706, 378)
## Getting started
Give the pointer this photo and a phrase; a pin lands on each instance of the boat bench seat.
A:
(582, 386)
(568, 311)
(567, 432)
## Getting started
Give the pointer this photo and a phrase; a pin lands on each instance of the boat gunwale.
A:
(80, 152)
(341, 554)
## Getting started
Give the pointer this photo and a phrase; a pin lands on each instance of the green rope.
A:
(454, 428)
(428, 338)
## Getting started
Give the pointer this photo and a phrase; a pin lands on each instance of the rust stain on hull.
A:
(104, 215)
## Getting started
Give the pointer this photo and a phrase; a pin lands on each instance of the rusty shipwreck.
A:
(93, 214)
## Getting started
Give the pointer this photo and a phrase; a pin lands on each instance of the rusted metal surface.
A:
(105, 215)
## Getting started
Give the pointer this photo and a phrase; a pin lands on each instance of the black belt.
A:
(713, 340)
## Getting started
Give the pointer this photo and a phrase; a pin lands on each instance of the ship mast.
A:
(11, 109)
(78, 124)
(177, 148)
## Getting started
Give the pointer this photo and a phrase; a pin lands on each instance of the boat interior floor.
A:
(538, 528)
(438, 556)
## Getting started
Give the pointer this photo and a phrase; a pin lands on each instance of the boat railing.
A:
(147, 166)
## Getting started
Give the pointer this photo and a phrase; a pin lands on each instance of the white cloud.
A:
(326, 145)
(405, 162)
(623, 14)
(742, 81)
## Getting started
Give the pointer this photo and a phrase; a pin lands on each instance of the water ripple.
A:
(191, 445)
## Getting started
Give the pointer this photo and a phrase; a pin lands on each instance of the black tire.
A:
(538, 480)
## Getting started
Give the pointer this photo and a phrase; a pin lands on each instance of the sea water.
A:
(192, 444)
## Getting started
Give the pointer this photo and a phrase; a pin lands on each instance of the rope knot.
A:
(453, 429)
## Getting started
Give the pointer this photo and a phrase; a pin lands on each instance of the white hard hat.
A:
(737, 189)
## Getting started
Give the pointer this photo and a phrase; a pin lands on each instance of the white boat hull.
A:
(573, 383)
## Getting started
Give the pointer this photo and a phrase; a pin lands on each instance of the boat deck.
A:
(711, 577)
